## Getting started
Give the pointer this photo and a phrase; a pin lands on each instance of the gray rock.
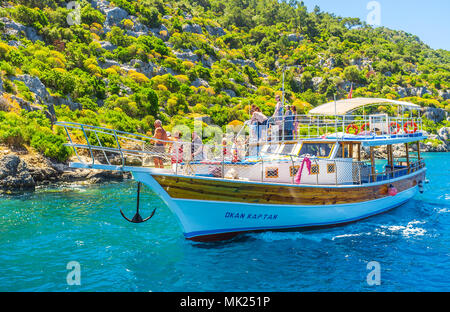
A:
(444, 133)
(12, 28)
(167, 17)
(402, 92)
(434, 114)
(205, 119)
(108, 63)
(14, 174)
(15, 43)
(101, 5)
(157, 32)
(31, 34)
(244, 62)
(114, 16)
(419, 91)
(231, 93)
(362, 63)
(187, 16)
(16, 29)
(135, 34)
(142, 67)
(138, 26)
(316, 82)
(445, 94)
(194, 28)
(215, 31)
(200, 82)
(294, 38)
(1, 84)
(165, 70)
(330, 63)
(28, 106)
(36, 86)
(108, 45)
(187, 56)
(298, 82)
(58, 101)
(208, 61)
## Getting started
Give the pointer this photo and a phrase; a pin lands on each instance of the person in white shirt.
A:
(261, 121)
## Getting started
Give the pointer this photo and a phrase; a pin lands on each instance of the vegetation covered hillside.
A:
(124, 63)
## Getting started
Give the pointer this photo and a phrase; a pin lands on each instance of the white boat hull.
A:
(205, 220)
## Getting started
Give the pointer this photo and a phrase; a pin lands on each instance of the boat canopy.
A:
(346, 106)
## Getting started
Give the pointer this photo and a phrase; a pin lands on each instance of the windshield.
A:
(316, 149)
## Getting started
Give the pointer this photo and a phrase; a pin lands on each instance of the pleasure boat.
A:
(328, 173)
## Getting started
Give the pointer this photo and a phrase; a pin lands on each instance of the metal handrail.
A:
(218, 155)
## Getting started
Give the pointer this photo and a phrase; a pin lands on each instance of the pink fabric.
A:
(298, 176)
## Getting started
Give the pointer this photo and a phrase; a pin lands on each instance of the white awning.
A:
(347, 106)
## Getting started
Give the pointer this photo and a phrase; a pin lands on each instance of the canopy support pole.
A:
(372, 162)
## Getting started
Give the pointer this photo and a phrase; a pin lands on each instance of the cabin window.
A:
(331, 168)
(271, 173)
(271, 148)
(314, 169)
(316, 149)
(293, 170)
(288, 148)
(345, 150)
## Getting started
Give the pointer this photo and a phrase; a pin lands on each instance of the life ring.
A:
(397, 127)
(355, 127)
(364, 126)
(410, 123)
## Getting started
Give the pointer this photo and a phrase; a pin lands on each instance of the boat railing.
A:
(95, 145)
(286, 128)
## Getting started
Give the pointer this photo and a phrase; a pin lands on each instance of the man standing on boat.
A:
(261, 120)
(278, 115)
(196, 147)
(160, 136)
(288, 124)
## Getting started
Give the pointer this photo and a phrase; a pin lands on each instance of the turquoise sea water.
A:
(41, 232)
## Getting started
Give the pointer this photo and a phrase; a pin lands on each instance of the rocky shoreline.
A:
(26, 172)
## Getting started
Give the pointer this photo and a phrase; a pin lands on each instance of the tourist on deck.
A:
(177, 149)
(196, 147)
(288, 124)
(160, 137)
(278, 115)
(261, 121)
(225, 152)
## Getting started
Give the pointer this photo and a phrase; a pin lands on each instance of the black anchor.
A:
(137, 217)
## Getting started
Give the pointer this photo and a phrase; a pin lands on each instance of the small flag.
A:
(350, 95)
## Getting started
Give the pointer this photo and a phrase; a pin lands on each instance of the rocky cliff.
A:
(21, 171)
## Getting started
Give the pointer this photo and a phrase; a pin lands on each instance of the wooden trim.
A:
(407, 157)
(418, 150)
(259, 193)
(390, 156)
(359, 151)
(372, 162)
